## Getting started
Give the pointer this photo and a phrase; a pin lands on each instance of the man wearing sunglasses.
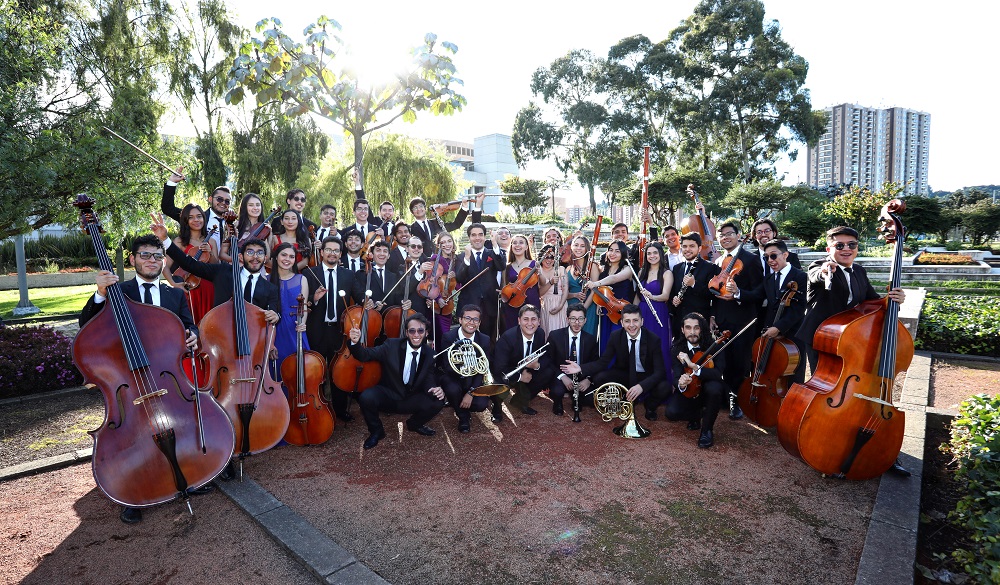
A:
(408, 384)
(218, 204)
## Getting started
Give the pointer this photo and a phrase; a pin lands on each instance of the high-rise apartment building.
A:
(870, 147)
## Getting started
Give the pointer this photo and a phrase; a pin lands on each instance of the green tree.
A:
(922, 216)
(750, 200)
(981, 220)
(860, 208)
(668, 192)
(302, 77)
(271, 152)
(530, 194)
(804, 219)
(752, 82)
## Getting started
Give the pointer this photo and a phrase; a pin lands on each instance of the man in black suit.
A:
(702, 410)
(295, 199)
(255, 287)
(570, 345)
(693, 275)
(457, 388)
(637, 362)
(147, 259)
(351, 258)
(765, 230)
(362, 225)
(324, 324)
(836, 284)
(427, 229)
(773, 288)
(381, 282)
(397, 257)
(408, 383)
(515, 344)
(484, 290)
(733, 314)
(218, 204)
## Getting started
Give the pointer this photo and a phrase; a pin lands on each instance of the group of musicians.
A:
(380, 262)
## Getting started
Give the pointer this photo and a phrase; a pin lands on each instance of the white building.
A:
(485, 162)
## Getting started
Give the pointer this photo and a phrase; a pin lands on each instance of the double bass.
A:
(842, 421)
(775, 360)
(160, 436)
(700, 223)
(238, 340)
(311, 422)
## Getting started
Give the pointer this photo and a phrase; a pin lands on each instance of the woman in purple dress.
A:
(616, 274)
(657, 281)
(291, 284)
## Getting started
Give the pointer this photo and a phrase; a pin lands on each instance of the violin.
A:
(238, 340)
(775, 360)
(311, 421)
(185, 278)
(612, 305)
(515, 293)
(703, 359)
(566, 252)
(348, 372)
(842, 421)
(703, 226)
(262, 230)
(717, 284)
(160, 435)
(435, 281)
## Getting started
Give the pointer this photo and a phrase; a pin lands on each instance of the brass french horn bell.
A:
(611, 403)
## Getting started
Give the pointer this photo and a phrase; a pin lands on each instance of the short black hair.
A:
(631, 309)
(253, 242)
(293, 193)
(146, 240)
(415, 201)
(618, 225)
(417, 317)
(842, 230)
(331, 239)
(358, 202)
(775, 243)
(770, 223)
(670, 227)
(395, 228)
(692, 236)
(327, 206)
(731, 224)
(528, 307)
(384, 203)
(578, 307)
(468, 230)
(379, 244)
(470, 307)
(353, 233)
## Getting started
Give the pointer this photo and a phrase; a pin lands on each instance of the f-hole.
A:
(843, 391)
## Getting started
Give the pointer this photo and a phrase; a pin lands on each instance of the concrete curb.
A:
(47, 464)
(46, 395)
(891, 543)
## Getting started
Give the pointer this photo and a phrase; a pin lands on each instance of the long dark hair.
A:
(301, 236)
(621, 263)
(273, 277)
(644, 271)
(185, 233)
(243, 223)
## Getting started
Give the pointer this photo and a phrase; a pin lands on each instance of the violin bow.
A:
(722, 347)
(140, 150)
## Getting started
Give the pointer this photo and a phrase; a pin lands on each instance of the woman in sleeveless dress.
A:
(552, 287)
(657, 280)
(291, 284)
(518, 258)
(616, 274)
(576, 276)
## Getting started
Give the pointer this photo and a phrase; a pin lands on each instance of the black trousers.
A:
(557, 390)
(422, 406)
(524, 392)
(704, 406)
(455, 391)
(327, 340)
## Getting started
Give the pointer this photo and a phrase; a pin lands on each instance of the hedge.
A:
(960, 324)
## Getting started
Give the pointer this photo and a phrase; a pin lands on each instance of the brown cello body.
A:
(761, 393)
(311, 422)
(348, 372)
(239, 379)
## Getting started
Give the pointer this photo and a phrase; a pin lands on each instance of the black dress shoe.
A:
(463, 427)
(706, 440)
(694, 425)
(898, 470)
(201, 491)
(228, 473)
(130, 515)
(424, 430)
(373, 439)
(497, 414)
(735, 412)
(529, 411)
(345, 416)
(650, 414)
(557, 408)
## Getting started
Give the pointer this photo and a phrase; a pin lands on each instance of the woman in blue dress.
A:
(518, 258)
(576, 274)
(291, 284)
(616, 274)
(657, 281)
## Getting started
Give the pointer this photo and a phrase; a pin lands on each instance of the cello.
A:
(842, 421)
(775, 360)
(160, 437)
(348, 372)
(703, 226)
(394, 318)
(303, 372)
(238, 340)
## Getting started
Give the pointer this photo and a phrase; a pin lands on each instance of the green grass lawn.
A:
(52, 301)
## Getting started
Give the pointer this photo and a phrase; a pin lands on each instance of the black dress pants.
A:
(421, 405)
(704, 406)
(454, 391)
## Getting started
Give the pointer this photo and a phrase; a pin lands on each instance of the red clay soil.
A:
(59, 528)
(954, 381)
(549, 501)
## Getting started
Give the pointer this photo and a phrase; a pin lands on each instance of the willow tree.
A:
(308, 78)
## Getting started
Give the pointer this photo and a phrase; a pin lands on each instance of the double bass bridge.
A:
(145, 397)
(236, 381)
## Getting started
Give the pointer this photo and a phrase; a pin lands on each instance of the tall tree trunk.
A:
(593, 201)
(359, 155)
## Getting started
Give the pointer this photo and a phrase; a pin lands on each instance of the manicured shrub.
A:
(960, 324)
(975, 444)
(35, 359)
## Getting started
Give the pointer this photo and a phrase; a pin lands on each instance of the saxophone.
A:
(576, 389)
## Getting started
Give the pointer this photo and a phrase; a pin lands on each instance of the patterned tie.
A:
(479, 261)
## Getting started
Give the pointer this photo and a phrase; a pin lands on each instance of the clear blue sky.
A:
(929, 56)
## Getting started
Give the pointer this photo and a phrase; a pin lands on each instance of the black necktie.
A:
(381, 279)
(527, 349)
(331, 300)
(147, 293)
(413, 368)
(354, 264)
(855, 288)
(322, 234)
(248, 290)
(572, 351)
(631, 363)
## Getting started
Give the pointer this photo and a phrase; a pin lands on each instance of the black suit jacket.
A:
(792, 259)
(697, 298)
(170, 209)
(265, 294)
(681, 346)
(378, 291)
(559, 345)
(791, 316)
(821, 304)
(171, 299)
(428, 238)
(345, 282)
(509, 350)
(737, 313)
(650, 355)
(446, 371)
(353, 228)
(391, 355)
(483, 290)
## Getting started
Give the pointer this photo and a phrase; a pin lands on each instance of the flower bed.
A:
(936, 259)
(36, 359)
(960, 324)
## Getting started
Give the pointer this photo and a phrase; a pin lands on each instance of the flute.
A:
(641, 290)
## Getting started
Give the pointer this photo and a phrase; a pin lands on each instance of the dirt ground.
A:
(41, 428)
(952, 381)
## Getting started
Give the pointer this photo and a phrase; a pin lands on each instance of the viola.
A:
(703, 359)
(612, 305)
(311, 421)
(775, 360)
(842, 421)
(348, 372)
(190, 281)
(160, 435)
(238, 339)
(717, 284)
(515, 293)
(703, 226)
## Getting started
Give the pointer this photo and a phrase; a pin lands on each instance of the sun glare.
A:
(374, 61)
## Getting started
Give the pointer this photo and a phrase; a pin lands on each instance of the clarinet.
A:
(684, 287)
(576, 390)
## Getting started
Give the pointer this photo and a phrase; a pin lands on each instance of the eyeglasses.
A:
(416, 331)
(727, 234)
(576, 319)
(299, 199)
(772, 256)
(148, 255)
(471, 319)
(225, 200)
(331, 250)
(257, 253)
(762, 231)
(416, 246)
(848, 245)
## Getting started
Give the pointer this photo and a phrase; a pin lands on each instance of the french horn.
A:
(611, 403)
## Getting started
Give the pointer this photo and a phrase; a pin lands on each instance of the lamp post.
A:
(24, 306)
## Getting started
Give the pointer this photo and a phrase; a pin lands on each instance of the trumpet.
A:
(527, 360)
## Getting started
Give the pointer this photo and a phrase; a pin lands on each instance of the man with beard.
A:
(702, 410)
(218, 204)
